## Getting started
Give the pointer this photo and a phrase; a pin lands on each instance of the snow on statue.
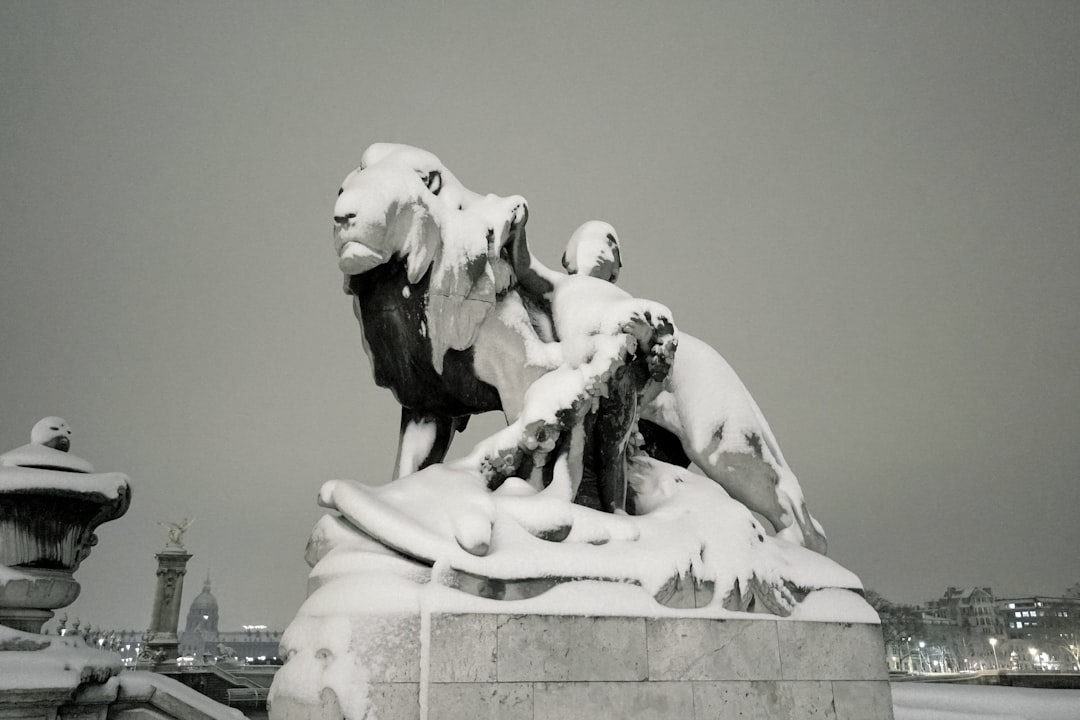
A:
(706, 415)
(420, 259)
(703, 414)
(582, 504)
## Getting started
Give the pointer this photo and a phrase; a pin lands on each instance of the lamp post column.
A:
(162, 643)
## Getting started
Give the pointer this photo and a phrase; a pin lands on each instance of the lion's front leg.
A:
(615, 418)
(424, 439)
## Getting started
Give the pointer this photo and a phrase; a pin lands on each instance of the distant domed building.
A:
(202, 641)
(203, 614)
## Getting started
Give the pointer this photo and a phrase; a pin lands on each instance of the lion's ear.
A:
(566, 264)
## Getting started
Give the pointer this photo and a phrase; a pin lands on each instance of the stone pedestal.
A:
(163, 644)
(546, 667)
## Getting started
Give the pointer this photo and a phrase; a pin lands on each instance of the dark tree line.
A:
(898, 622)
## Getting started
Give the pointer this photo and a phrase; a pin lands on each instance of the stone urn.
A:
(50, 504)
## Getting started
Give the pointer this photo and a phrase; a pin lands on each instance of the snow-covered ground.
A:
(932, 701)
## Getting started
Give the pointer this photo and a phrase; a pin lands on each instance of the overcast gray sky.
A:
(870, 208)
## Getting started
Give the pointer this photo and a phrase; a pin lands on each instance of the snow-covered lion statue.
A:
(583, 504)
(458, 318)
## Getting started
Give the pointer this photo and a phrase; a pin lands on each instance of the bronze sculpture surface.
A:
(606, 404)
(582, 505)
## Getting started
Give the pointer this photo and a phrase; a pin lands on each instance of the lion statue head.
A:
(403, 204)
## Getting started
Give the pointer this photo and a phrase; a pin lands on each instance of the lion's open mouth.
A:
(355, 258)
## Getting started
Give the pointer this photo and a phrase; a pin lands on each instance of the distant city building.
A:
(1042, 619)
(973, 609)
(129, 644)
(202, 642)
(203, 613)
(970, 629)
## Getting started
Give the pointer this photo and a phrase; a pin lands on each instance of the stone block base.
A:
(548, 667)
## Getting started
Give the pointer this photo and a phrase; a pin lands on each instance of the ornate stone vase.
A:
(50, 504)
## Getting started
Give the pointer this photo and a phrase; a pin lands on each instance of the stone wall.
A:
(529, 667)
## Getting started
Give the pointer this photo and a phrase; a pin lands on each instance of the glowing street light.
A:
(993, 644)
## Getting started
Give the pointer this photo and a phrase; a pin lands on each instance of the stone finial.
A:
(53, 432)
(50, 441)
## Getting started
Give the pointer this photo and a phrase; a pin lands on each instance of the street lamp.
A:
(993, 644)
(922, 656)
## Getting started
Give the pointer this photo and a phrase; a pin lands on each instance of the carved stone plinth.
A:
(548, 667)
